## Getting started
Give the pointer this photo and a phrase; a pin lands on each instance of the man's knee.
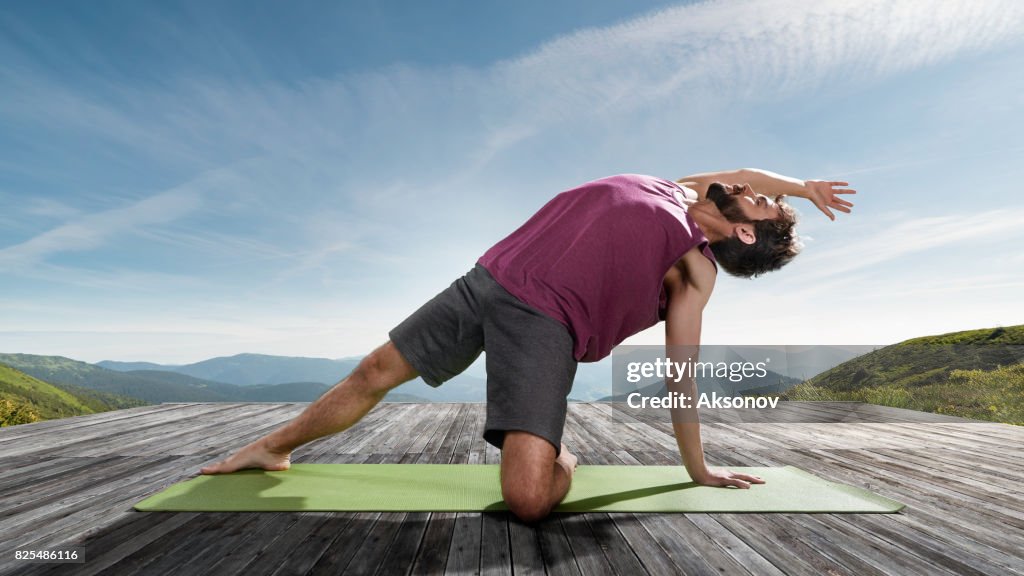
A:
(383, 369)
(526, 503)
(527, 475)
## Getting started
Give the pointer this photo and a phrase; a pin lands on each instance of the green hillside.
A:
(974, 374)
(25, 399)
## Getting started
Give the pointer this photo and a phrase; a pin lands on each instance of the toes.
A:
(217, 468)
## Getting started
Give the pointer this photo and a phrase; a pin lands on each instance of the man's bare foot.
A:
(255, 455)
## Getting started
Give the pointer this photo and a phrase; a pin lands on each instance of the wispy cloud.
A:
(896, 240)
(745, 50)
(92, 231)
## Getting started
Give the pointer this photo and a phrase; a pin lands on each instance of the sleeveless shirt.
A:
(594, 258)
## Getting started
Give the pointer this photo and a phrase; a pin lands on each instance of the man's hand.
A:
(256, 455)
(567, 461)
(823, 193)
(727, 478)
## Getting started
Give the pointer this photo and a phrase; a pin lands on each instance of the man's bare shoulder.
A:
(693, 273)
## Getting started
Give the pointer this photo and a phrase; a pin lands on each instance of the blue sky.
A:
(186, 180)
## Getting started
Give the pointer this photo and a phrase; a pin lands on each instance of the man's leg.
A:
(533, 479)
(339, 408)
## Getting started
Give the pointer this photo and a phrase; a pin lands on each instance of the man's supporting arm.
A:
(689, 285)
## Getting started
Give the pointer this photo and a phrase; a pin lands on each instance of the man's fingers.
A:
(827, 212)
(842, 209)
(842, 202)
(844, 191)
(734, 481)
(749, 478)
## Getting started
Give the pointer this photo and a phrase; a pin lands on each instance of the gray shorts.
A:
(530, 363)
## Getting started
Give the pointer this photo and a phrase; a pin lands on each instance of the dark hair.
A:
(776, 244)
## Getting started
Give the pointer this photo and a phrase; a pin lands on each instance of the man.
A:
(594, 266)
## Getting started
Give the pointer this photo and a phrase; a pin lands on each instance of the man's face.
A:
(739, 203)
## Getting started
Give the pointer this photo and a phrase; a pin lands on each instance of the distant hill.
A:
(252, 369)
(800, 362)
(26, 399)
(247, 370)
(975, 374)
(133, 366)
(927, 360)
(149, 387)
(137, 387)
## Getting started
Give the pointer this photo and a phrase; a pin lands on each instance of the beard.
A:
(727, 204)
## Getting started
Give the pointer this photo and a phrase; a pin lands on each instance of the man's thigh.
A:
(530, 371)
(445, 335)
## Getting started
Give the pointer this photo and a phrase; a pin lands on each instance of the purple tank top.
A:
(594, 258)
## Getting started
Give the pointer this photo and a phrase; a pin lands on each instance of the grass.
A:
(993, 395)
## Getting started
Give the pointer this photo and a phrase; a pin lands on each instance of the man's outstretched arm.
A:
(689, 286)
(822, 193)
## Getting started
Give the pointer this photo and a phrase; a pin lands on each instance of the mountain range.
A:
(264, 378)
(54, 386)
(250, 369)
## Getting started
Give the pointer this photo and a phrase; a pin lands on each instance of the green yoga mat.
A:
(475, 488)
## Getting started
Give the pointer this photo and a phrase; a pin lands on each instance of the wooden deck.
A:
(73, 482)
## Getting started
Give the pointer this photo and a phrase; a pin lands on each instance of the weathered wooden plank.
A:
(554, 548)
(29, 502)
(167, 554)
(932, 536)
(585, 547)
(373, 548)
(306, 549)
(45, 470)
(343, 549)
(620, 556)
(648, 547)
(402, 553)
(231, 541)
(74, 515)
(965, 463)
(437, 538)
(101, 561)
(964, 468)
(464, 549)
(526, 550)
(81, 423)
(48, 444)
(947, 436)
(495, 556)
(735, 547)
(1008, 510)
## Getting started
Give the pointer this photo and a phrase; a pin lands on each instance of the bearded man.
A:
(595, 265)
